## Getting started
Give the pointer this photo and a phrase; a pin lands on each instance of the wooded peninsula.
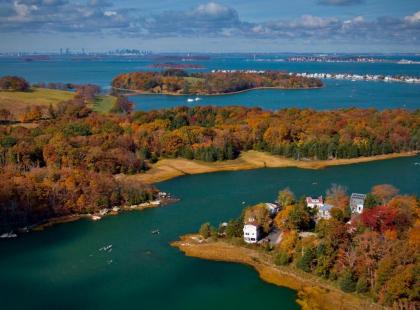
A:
(179, 82)
(345, 260)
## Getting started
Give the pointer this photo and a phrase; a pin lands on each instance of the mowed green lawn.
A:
(103, 104)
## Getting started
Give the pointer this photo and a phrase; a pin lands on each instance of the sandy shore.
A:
(166, 169)
(313, 292)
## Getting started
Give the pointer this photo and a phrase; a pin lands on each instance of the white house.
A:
(251, 232)
(324, 211)
(314, 202)
(357, 202)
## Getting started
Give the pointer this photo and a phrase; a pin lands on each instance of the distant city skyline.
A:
(375, 26)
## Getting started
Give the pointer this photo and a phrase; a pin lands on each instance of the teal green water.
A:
(61, 268)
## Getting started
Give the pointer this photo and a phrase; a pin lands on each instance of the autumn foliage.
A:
(180, 82)
(374, 255)
(13, 83)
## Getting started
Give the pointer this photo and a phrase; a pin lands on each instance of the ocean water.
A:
(336, 94)
(62, 268)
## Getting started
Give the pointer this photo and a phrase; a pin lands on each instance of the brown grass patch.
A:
(166, 169)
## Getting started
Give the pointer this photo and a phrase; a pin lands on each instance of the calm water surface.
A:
(62, 267)
(337, 94)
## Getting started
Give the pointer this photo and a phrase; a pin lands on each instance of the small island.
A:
(180, 82)
(341, 252)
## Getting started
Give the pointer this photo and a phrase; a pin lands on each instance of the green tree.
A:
(306, 261)
(282, 258)
(285, 197)
(205, 230)
(299, 217)
(347, 282)
(371, 201)
(234, 228)
(362, 285)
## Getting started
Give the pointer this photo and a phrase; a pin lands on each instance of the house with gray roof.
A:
(357, 202)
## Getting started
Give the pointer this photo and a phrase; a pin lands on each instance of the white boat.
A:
(107, 248)
(103, 212)
(190, 100)
(197, 99)
(96, 217)
(8, 235)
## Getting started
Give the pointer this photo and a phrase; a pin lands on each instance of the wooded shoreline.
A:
(145, 93)
(166, 169)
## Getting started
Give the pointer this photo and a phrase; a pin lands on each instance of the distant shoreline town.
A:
(339, 59)
(338, 76)
(361, 77)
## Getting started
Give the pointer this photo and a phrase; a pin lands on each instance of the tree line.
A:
(180, 82)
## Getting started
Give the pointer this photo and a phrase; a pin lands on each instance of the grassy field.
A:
(166, 169)
(313, 292)
(16, 102)
(103, 104)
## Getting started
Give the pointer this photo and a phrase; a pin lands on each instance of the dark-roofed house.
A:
(357, 202)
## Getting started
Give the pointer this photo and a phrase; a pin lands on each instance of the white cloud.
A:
(208, 20)
(212, 8)
(110, 13)
(340, 2)
(413, 19)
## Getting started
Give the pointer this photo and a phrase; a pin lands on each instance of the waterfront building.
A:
(251, 231)
(357, 202)
(324, 212)
(314, 202)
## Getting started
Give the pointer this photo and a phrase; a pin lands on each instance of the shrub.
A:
(234, 229)
(8, 141)
(77, 129)
(282, 258)
(305, 262)
(14, 83)
(205, 230)
(362, 285)
(347, 282)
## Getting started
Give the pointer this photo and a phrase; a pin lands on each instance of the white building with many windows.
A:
(357, 202)
(251, 232)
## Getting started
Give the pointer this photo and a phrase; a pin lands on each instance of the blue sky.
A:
(219, 26)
